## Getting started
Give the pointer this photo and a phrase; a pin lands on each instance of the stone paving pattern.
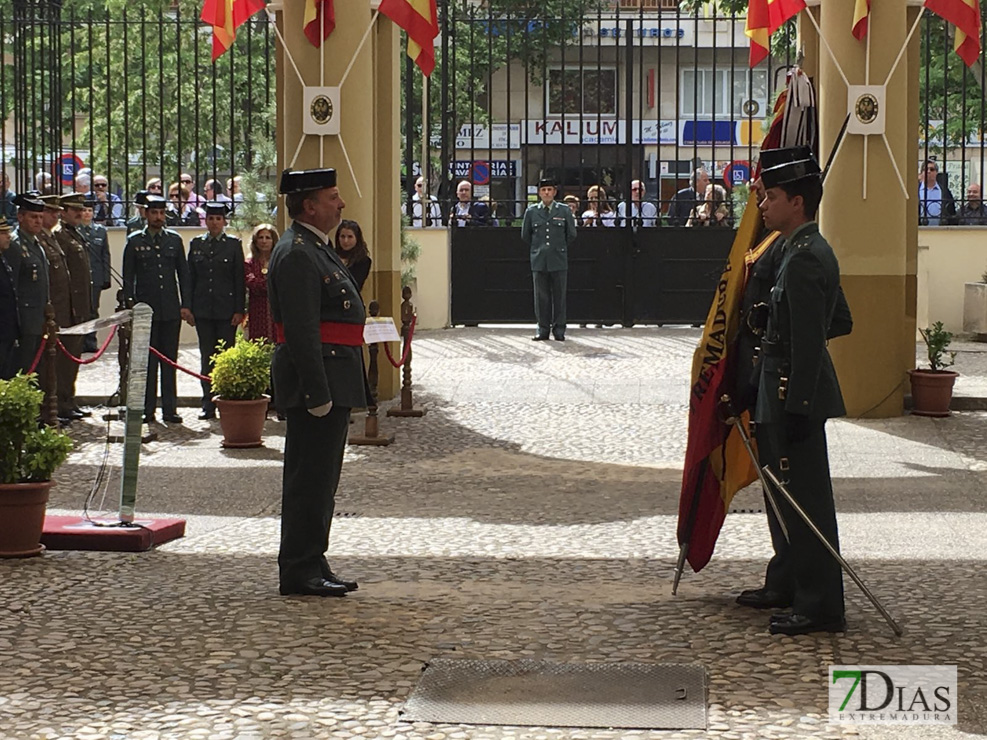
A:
(530, 513)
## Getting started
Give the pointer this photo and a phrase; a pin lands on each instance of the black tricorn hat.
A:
(301, 181)
(547, 182)
(217, 208)
(29, 203)
(774, 157)
(156, 201)
(790, 172)
(140, 197)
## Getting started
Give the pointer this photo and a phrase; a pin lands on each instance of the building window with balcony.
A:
(589, 92)
(728, 93)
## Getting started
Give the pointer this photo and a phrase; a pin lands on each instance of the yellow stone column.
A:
(874, 238)
(369, 129)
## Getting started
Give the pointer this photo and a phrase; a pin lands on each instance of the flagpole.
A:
(426, 195)
(901, 51)
(323, 15)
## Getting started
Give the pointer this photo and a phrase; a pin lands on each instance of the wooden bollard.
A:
(407, 402)
(371, 430)
(48, 380)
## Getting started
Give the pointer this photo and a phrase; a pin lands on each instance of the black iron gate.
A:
(659, 276)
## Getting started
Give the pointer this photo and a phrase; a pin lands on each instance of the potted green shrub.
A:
(241, 374)
(932, 387)
(29, 455)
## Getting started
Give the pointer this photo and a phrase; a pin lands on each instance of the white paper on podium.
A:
(380, 329)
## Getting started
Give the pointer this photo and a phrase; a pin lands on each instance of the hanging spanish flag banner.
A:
(861, 13)
(764, 17)
(965, 15)
(319, 21)
(420, 20)
(225, 16)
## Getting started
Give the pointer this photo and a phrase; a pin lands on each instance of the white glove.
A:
(321, 410)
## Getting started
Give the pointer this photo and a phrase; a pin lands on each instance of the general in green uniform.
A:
(797, 392)
(216, 279)
(318, 375)
(549, 228)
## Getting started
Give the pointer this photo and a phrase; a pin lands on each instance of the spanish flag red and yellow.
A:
(225, 16)
(319, 21)
(861, 13)
(764, 17)
(965, 15)
(420, 20)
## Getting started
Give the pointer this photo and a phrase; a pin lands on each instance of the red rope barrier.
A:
(37, 357)
(407, 346)
(99, 352)
(175, 365)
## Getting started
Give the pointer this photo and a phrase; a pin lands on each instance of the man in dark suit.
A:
(318, 375)
(155, 272)
(215, 262)
(8, 310)
(29, 267)
(549, 228)
(98, 246)
(466, 211)
(688, 198)
(797, 392)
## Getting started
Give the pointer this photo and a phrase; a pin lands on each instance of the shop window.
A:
(588, 92)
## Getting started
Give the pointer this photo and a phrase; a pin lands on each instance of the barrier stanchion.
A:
(371, 429)
(408, 319)
(49, 408)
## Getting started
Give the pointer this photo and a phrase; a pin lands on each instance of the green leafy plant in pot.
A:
(29, 456)
(241, 374)
(932, 387)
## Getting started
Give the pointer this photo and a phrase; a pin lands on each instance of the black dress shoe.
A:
(799, 624)
(172, 418)
(82, 413)
(149, 419)
(350, 585)
(70, 414)
(205, 415)
(314, 587)
(764, 598)
(539, 338)
(559, 338)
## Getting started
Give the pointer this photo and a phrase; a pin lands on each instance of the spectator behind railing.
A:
(713, 211)
(598, 211)
(638, 211)
(180, 211)
(936, 205)
(109, 208)
(973, 212)
(684, 201)
(433, 217)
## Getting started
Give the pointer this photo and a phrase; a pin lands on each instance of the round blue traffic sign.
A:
(68, 166)
(737, 173)
(481, 172)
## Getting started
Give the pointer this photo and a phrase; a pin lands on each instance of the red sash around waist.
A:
(332, 332)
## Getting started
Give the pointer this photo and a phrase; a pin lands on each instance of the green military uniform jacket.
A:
(155, 272)
(548, 230)
(76, 253)
(308, 284)
(802, 306)
(59, 279)
(98, 244)
(216, 276)
(135, 223)
(29, 267)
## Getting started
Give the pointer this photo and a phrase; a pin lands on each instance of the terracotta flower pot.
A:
(932, 390)
(22, 515)
(242, 422)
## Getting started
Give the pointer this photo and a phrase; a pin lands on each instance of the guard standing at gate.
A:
(797, 392)
(26, 258)
(60, 294)
(216, 278)
(155, 272)
(549, 228)
(318, 375)
(76, 253)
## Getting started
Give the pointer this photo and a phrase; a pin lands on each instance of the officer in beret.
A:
(318, 375)
(549, 228)
(8, 309)
(797, 392)
(216, 279)
(76, 252)
(26, 258)
(98, 244)
(155, 272)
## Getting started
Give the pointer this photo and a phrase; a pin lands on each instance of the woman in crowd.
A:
(713, 211)
(180, 212)
(262, 242)
(352, 249)
(598, 210)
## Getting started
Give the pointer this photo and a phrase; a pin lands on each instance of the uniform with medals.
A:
(155, 272)
(318, 321)
(216, 282)
(8, 309)
(29, 267)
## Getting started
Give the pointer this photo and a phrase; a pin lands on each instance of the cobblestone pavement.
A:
(530, 513)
